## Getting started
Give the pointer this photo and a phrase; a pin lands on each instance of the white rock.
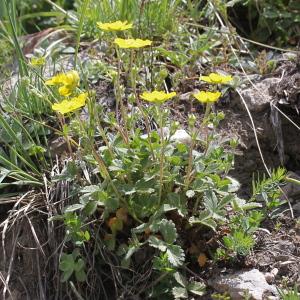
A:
(239, 283)
(275, 272)
(181, 136)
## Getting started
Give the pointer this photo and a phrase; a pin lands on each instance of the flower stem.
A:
(162, 154)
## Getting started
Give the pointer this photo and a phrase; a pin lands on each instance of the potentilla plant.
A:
(143, 181)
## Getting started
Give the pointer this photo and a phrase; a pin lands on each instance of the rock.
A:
(269, 277)
(58, 146)
(181, 136)
(292, 189)
(274, 272)
(257, 97)
(296, 209)
(241, 282)
(290, 56)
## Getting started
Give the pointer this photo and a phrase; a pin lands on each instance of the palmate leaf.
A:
(174, 252)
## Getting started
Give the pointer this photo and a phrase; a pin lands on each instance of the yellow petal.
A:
(205, 97)
(157, 96)
(114, 26)
(73, 104)
(37, 61)
(206, 79)
(216, 78)
(132, 43)
(64, 91)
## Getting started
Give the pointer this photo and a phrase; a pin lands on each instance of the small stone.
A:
(181, 136)
(269, 277)
(272, 298)
(274, 272)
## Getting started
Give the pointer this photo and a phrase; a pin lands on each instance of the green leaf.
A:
(175, 255)
(168, 230)
(197, 288)
(73, 207)
(234, 186)
(157, 243)
(180, 279)
(66, 262)
(66, 275)
(176, 201)
(204, 218)
(90, 207)
(80, 275)
(179, 293)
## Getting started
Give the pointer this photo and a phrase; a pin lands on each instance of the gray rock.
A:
(296, 209)
(270, 278)
(240, 283)
(257, 97)
(181, 136)
(291, 190)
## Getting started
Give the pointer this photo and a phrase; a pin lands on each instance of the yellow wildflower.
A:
(207, 97)
(157, 96)
(114, 26)
(37, 61)
(132, 43)
(73, 104)
(216, 78)
(55, 80)
(67, 81)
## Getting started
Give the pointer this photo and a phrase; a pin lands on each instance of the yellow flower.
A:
(65, 91)
(73, 104)
(37, 61)
(207, 97)
(157, 96)
(114, 26)
(216, 78)
(67, 81)
(132, 43)
(55, 80)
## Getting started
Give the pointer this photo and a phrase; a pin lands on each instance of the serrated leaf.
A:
(157, 243)
(175, 255)
(180, 279)
(175, 201)
(179, 293)
(168, 230)
(197, 288)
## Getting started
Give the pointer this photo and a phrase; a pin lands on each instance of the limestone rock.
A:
(238, 284)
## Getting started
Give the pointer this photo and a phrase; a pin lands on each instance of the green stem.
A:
(119, 99)
(162, 154)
